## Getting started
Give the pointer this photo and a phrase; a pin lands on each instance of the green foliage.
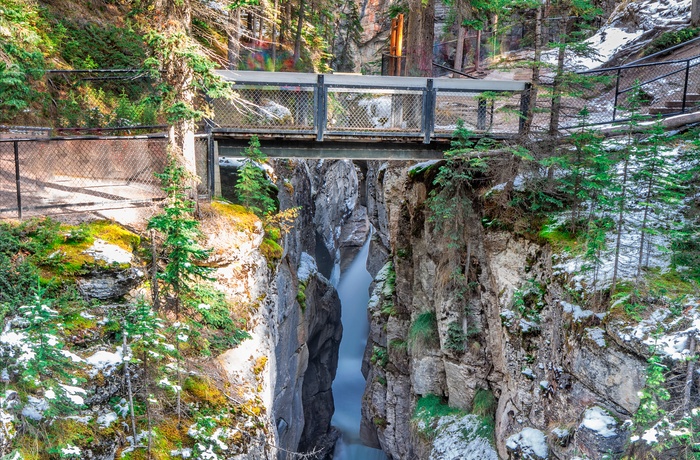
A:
(528, 301)
(379, 357)
(671, 38)
(484, 404)
(456, 338)
(253, 186)
(103, 46)
(424, 330)
(428, 409)
(301, 294)
(449, 201)
(652, 395)
(180, 231)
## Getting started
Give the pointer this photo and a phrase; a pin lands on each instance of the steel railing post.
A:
(617, 93)
(429, 95)
(17, 180)
(524, 107)
(321, 112)
(685, 85)
(211, 162)
(481, 114)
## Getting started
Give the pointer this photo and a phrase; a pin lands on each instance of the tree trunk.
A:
(557, 90)
(459, 53)
(174, 23)
(527, 126)
(273, 37)
(297, 39)
(234, 38)
(421, 35)
(695, 13)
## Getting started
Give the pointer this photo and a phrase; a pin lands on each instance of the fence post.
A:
(617, 93)
(428, 111)
(685, 85)
(17, 181)
(211, 162)
(481, 113)
(524, 107)
(321, 113)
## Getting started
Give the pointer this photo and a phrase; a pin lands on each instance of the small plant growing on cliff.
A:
(424, 330)
(456, 338)
(380, 357)
(253, 187)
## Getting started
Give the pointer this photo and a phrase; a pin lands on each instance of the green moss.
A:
(484, 403)
(456, 338)
(242, 219)
(271, 250)
(202, 390)
(301, 295)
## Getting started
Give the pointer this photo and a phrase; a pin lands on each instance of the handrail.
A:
(664, 51)
(635, 66)
(454, 71)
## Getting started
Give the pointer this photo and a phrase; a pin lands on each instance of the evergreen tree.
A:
(253, 186)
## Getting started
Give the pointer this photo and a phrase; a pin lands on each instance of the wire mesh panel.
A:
(374, 111)
(480, 112)
(8, 190)
(61, 174)
(270, 108)
(201, 153)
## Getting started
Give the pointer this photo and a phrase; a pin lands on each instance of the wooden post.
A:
(477, 52)
(399, 43)
(392, 48)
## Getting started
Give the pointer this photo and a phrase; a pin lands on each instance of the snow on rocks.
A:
(668, 335)
(110, 253)
(597, 335)
(458, 439)
(105, 362)
(307, 267)
(529, 444)
(106, 419)
(600, 422)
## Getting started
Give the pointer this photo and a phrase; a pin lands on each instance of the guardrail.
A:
(359, 106)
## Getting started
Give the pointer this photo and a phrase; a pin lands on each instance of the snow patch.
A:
(307, 267)
(530, 443)
(110, 253)
(104, 361)
(599, 421)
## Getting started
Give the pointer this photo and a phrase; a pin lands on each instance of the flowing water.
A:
(349, 384)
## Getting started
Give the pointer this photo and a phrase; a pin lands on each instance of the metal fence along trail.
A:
(46, 176)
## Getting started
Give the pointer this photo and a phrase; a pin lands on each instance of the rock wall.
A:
(550, 373)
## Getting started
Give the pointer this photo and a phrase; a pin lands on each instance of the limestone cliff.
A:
(486, 320)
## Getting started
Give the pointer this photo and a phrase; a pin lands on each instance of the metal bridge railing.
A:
(361, 106)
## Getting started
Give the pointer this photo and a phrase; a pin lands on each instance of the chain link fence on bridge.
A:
(261, 107)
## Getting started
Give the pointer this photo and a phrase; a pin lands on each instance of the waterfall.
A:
(349, 384)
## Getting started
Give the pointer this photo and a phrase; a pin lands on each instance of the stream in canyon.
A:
(349, 384)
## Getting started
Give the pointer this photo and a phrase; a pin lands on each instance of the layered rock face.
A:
(563, 382)
(306, 328)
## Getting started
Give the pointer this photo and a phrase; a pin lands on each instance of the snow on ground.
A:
(626, 25)
(110, 253)
(530, 443)
(599, 420)
(458, 439)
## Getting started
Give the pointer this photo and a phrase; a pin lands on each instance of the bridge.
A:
(360, 116)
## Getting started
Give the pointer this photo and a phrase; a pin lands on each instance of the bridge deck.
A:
(359, 107)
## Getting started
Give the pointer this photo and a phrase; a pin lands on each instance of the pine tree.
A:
(252, 186)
